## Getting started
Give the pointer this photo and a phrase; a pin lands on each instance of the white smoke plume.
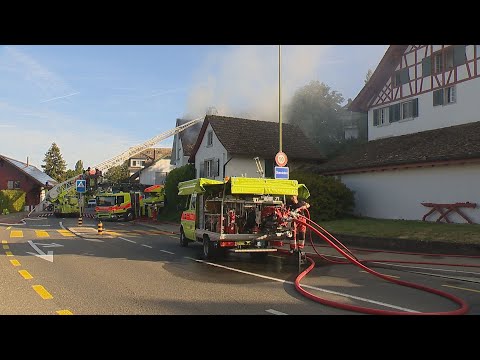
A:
(243, 80)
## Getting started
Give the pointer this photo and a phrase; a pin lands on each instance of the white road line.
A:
(127, 240)
(168, 252)
(174, 237)
(275, 312)
(427, 268)
(95, 240)
(61, 225)
(305, 286)
(147, 246)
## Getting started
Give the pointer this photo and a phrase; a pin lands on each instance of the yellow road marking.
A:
(64, 312)
(112, 233)
(393, 276)
(8, 228)
(41, 233)
(4, 242)
(6, 247)
(26, 275)
(8, 253)
(65, 233)
(16, 233)
(15, 262)
(461, 288)
(44, 294)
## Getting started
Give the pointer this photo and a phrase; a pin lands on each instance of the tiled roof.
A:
(31, 170)
(259, 138)
(460, 142)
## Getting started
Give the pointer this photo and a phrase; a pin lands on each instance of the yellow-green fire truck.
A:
(238, 215)
(119, 206)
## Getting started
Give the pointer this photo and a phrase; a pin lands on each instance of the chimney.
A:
(27, 160)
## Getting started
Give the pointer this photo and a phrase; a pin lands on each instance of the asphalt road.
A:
(133, 269)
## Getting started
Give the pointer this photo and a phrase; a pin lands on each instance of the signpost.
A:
(81, 186)
(281, 172)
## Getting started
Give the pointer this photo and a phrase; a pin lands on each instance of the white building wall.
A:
(147, 176)
(398, 194)
(243, 166)
(215, 151)
(466, 109)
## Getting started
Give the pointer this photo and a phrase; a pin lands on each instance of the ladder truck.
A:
(68, 186)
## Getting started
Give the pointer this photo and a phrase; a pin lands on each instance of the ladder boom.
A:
(54, 192)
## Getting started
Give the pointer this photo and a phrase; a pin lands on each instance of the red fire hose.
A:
(343, 250)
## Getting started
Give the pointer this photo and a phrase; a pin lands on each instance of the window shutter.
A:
(415, 107)
(404, 76)
(438, 97)
(459, 55)
(218, 168)
(427, 66)
(375, 117)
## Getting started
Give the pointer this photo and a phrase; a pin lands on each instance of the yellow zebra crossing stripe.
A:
(16, 233)
(65, 233)
(64, 312)
(42, 233)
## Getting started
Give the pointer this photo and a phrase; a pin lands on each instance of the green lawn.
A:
(405, 229)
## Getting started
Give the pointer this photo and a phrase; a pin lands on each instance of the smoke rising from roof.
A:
(242, 81)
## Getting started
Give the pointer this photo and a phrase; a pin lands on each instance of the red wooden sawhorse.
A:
(445, 209)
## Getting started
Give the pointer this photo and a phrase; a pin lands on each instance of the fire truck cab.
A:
(242, 215)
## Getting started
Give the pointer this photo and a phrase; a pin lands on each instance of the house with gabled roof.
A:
(183, 142)
(424, 135)
(155, 170)
(17, 175)
(227, 146)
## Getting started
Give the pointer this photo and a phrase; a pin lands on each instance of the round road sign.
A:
(281, 158)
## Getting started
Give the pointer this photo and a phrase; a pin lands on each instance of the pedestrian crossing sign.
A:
(81, 186)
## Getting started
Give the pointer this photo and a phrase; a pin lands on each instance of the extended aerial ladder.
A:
(63, 187)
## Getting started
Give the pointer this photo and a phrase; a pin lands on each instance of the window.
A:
(210, 138)
(13, 184)
(178, 153)
(396, 79)
(269, 167)
(438, 63)
(449, 58)
(380, 116)
(142, 163)
(211, 168)
(407, 110)
(444, 96)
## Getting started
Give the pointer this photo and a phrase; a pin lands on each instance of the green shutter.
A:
(459, 55)
(394, 114)
(427, 66)
(404, 76)
(415, 107)
(438, 97)
(375, 117)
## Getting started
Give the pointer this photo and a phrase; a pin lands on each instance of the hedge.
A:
(12, 200)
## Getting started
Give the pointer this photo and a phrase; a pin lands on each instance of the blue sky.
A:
(96, 101)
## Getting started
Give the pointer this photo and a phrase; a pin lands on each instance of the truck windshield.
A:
(106, 200)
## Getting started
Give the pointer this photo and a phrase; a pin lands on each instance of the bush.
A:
(12, 200)
(329, 198)
(184, 173)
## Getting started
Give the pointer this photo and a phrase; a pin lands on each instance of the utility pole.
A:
(279, 95)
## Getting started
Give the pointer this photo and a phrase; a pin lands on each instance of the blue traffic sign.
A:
(281, 172)
(81, 186)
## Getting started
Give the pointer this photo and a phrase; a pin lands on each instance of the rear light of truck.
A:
(277, 243)
(227, 243)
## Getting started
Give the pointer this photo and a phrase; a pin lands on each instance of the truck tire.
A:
(208, 249)
(183, 239)
(129, 215)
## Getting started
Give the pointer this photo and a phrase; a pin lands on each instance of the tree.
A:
(69, 174)
(78, 167)
(118, 174)
(54, 164)
(183, 173)
(368, 76)
(316, 109)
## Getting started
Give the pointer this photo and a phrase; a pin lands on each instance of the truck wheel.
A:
(208, 250)
(129, 216)
(183, 239)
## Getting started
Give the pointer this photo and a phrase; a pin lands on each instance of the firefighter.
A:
(299, 230)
